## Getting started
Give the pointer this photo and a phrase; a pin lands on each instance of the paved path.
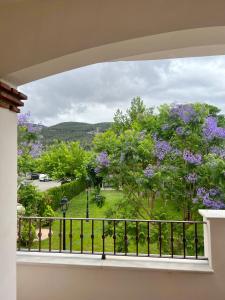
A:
(44, 186)
(44, 234)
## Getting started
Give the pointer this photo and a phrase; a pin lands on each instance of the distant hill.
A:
(73, 131)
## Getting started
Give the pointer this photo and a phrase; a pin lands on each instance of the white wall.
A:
(68, 282)
(53, 280)
(8, 190)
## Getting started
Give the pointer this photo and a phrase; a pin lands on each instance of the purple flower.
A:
(23, 119)
(218, 205)
(176, 152)
(142, 135)
(220, 132)
(36, 149)
(103, 159)
(31, 128)
(211, 130)
(201, 191)
(195, 200)
(97, 170)
(213, 192)
(154, 137)
(191, 178)
(194, 159)
(218, 151)
(165, 127)
(204, 195)
(213, 204)
(149, 172)
(19, 152)
(180, 130)
(185, 112)
(162, 148)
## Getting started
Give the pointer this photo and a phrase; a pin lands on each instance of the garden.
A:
(162, 164)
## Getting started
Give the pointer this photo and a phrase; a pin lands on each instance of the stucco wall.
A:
(93, 31)
(90, 283)
(170, 281)
(8, 179)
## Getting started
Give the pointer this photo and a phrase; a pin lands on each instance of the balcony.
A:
(112, 237)
(83, 259)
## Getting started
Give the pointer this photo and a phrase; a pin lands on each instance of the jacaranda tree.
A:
(176, 153)
(29, 144)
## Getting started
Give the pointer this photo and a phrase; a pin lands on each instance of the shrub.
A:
(31, 199)
(48, 213)
(68, 190)
(98, 199)
(27, 234)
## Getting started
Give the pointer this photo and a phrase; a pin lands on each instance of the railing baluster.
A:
(148, 237)
(170, 225)
(60, 235)
(29, 235)
(50, 236)
(81, 236)
(92, 237)
(137, 237)
(71, 236)
(114, 237)
(39, 236)
(103, 239)
(184, 240)
(160, 239)
(196, 241)
(125, 237)
(19, 234)
(171, 238)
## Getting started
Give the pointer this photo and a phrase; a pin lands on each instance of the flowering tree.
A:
(177, 154)
(29, 145)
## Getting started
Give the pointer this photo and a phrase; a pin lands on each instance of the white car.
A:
(44, 178)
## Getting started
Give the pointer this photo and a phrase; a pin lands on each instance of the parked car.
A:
(64, 180)
(33, 176)
(44, 178)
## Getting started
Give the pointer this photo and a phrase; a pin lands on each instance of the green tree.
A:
(176, 154)
(29, 144)
(64, 160)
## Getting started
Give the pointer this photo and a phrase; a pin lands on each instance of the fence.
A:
(150, 238)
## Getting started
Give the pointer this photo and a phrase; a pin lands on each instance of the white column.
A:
(214, 238)
(8, 196)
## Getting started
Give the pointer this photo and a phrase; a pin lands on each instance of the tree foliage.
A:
(29, 144)
(64, 160)
(176, 154)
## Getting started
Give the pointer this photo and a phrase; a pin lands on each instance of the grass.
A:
(77, 209)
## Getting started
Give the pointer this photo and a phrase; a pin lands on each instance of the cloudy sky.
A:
(92, 94)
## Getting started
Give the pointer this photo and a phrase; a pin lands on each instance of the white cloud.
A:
(92, 94)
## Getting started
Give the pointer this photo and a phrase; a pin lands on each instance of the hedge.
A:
(68, 190)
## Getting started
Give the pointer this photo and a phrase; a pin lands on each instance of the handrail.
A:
(150, 238)
(119, 220)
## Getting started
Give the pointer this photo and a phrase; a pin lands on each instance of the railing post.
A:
(64, 231)
(8, 191)
(214, 237)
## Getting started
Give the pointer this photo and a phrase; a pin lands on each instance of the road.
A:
(44, 186)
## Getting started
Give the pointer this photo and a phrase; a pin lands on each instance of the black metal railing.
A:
(151, 238)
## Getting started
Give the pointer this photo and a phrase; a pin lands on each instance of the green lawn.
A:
(77, 209)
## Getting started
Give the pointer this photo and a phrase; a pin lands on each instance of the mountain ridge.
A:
(73, 131)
